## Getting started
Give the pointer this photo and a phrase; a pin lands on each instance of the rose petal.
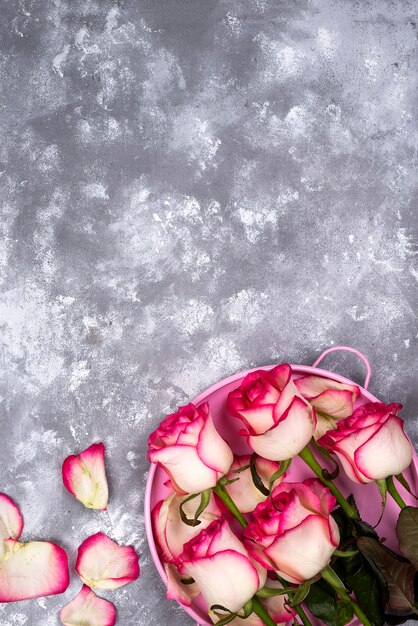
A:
(387, 452)
(209, 441)
(84, 476)
(87, 609)
(32, 570)
(289, 437)
(276, 606)
(11, 520)
(227, 578)
(169, 529)
(312, 386)
(176, 590)
(243, 492)
(192, 475)
(301, 559)
(103, 564)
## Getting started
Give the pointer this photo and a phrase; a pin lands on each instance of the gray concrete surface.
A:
(190, 188)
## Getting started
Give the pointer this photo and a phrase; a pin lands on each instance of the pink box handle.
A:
(354, 351)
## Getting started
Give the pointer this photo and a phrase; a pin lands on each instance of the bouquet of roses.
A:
(262, 549)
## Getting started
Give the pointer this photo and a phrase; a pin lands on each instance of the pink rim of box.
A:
(297, 369)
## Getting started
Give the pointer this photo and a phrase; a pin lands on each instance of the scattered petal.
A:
(11, 521)
(103, 564)
(87, 609)
(32, 570)
(84, 476)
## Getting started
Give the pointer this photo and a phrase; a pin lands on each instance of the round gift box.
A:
(367, 496)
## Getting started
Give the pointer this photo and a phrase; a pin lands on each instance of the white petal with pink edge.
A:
(387, 452)
(87, 609)
(304, 551)
(84, 476)
(243, 492)
(11, 521)
(289, 437)
(176, 589)
(185, 468)
(227, 578)
(103, 564)
(213, 450)
(312, 386)
(32, 570)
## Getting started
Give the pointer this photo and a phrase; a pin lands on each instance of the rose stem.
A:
(230, 504)
(307, 456)
(259, 610)
(395, 493)
(332, 579)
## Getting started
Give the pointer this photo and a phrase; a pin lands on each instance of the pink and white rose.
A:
(371, 444)
(293, 532)
(243, 491)
(221, 567)
(332, 400)
(278, 422)
(190, 449)
(171, 534)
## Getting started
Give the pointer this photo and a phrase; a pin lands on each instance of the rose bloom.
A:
(278, 422)
(371, 444)
(171, 533)
(221, 567)
(243, 491)
(190, 449)
(293, 532)
(331, 400)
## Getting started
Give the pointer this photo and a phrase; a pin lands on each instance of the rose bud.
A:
(190, 449)
(219, 563)
(243, 491)
(279, 423)
(293, 532)
(371, 444)
(171, 533)
(331, 400)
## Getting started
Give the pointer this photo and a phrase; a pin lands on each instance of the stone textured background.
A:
(190, 188)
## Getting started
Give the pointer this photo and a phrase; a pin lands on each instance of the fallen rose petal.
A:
(84, 476)
(103, 564)
(11, 522)
(32, 570)
(87, 609)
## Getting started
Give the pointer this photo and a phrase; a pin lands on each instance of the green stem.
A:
(227, 500)
(307, 456)
(332, 579)
(395, 493)
(259, 610)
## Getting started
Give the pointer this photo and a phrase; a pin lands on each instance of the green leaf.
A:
(323, 604)
(368, 591)
(256, 478)
(363, 529)
(407, 531)
(344, 612)
(204, 501)
(300, 593)
(399, 574)
(284, 466)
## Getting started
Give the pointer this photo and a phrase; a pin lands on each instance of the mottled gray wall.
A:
(190, 188)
